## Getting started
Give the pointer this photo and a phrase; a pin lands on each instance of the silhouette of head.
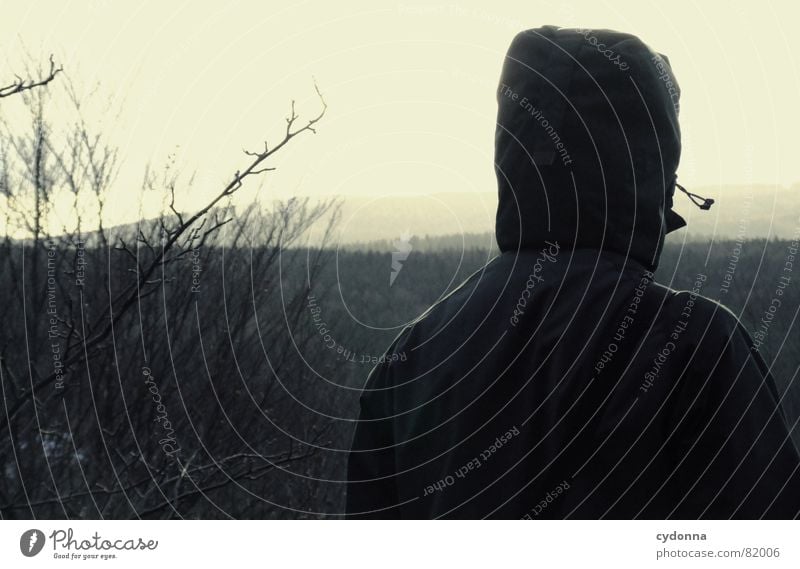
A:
(587, 143)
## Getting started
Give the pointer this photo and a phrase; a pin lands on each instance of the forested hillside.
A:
(231, 387)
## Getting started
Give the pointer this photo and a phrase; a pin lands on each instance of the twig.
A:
(21, 85)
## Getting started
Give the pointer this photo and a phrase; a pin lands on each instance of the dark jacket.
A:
(559, 381)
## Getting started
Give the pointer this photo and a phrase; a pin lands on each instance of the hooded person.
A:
(560, 381)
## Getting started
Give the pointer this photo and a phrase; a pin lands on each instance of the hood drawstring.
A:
(699, 201)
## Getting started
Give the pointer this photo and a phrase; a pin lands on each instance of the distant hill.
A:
(739, 212)
(461, 219)
(743, 212)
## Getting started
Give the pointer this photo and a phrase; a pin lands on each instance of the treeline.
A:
(230, 389)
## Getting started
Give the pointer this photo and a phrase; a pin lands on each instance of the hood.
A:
(587, 143)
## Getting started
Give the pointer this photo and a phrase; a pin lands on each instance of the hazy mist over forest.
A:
(739, 212)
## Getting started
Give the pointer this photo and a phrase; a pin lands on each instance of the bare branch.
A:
(21, 85)
(129, 297)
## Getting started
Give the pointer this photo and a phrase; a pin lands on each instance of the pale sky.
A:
(410, 86)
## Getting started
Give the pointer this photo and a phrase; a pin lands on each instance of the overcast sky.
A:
(410, 85)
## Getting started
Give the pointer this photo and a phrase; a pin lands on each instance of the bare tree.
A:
(139, 392)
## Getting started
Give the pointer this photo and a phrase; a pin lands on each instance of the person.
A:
(560, 381)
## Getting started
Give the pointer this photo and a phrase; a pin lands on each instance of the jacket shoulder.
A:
(701, 312)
